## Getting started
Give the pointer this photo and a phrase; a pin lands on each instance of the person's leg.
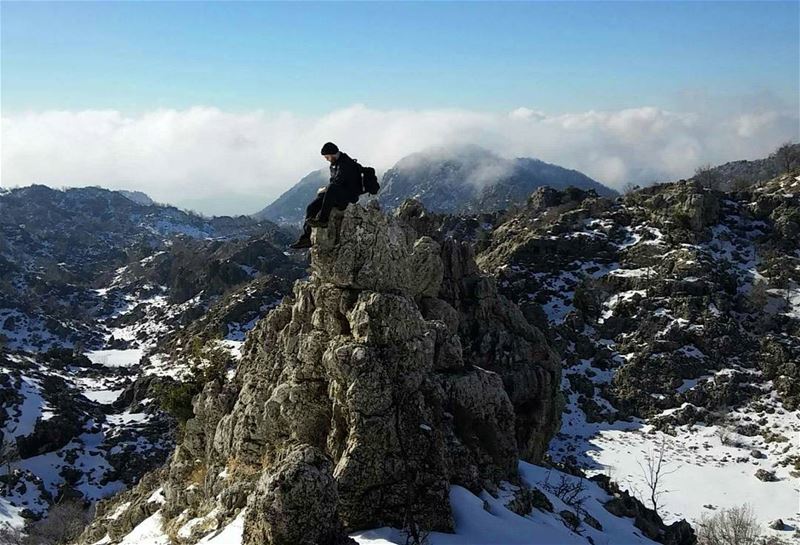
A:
(304, 241)
(334, 196)
(312, 210)
(315, 206)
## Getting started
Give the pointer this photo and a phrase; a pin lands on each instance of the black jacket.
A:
(346, 173)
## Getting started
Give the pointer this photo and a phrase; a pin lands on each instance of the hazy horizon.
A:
(232, 108)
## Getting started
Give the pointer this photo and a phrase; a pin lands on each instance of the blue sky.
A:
(312, 57)
(222, 106)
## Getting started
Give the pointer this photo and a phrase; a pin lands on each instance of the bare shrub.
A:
(654, 469)
(64, 523)
(10, 535)
(772, 540)
(786, 157)
(629, 187)
(708, 177)
(758, 298)
(732, 526)
(572, 493)
(415, 534)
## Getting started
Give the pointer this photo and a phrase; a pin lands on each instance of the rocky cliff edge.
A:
(393, 371)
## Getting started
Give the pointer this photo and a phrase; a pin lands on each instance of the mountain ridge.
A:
(448, 183)
(672, 309)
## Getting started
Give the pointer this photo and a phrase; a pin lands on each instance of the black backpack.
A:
(369, 181)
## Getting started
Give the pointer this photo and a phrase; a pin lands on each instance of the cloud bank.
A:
(237, 162)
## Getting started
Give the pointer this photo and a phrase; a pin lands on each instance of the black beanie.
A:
(329, 148)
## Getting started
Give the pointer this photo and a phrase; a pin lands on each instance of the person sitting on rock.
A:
(344, 188)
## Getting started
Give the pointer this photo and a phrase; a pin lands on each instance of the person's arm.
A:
(336, 173)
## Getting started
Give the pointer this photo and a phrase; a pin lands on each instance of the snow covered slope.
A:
(103, 303)
(675, 312)
(479, 520)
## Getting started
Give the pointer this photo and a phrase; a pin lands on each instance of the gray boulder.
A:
(296, 504)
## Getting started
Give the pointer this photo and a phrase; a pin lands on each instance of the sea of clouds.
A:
(218, 161)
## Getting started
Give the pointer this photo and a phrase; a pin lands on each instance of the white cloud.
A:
(748, 125)
(526, 113)
(237, 162)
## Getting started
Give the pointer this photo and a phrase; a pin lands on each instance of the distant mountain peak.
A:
(469, 178)
(461, 178)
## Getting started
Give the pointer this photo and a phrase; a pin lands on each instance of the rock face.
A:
(394, 371)
(622, 504)
(373, 252)
(296, 505)
(495, 336)
(686, 203)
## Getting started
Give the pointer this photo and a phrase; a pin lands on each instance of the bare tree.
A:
(65, 521)
(787, 156)
(654, 469)
(708, 177)
(733, 526)
(628, 187)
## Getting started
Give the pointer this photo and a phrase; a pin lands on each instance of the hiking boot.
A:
(302, 242)
(316, 222)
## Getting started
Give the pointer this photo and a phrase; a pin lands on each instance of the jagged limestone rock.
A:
(392, 372)
(685, 203)
(495, 336)
(295, 505)
(139, 503)
(372, 251)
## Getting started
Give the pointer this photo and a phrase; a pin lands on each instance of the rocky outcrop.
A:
(496, 336)
(657, 289)
(622, 504)
(392, 372)
(296, 505)
(686, 204)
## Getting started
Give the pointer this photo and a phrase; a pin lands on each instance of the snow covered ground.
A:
(485, 520)
(705, 475)
(479, 520)
(116, 358)
(94, 455)
(103, 396)
(10, 515)
(710, 466)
